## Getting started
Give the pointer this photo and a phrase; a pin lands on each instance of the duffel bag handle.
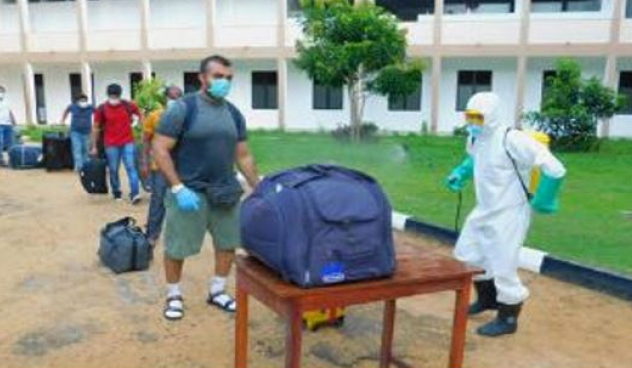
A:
(125, 222)
(326, 169)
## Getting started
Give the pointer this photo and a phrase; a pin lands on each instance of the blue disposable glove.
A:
(187, 200)
(460, 175)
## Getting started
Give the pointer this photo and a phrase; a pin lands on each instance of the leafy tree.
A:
(360, 47)
(572, 108)
(149, 94)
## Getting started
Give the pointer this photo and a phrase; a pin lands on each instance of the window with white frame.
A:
(628, 11)
(264, 90)
(625, 89)
(562, 6)
(327, 97)
(469, 83)
(407, 10)
(478, 6)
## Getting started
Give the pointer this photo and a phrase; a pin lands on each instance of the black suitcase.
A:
(57, 152)
(93, 176)
(25, 157)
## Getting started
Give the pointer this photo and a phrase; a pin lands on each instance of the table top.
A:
(415, 265)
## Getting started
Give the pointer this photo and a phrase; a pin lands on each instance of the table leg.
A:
(459, 325)
(388, 329)
(294, 339)
(241, 329)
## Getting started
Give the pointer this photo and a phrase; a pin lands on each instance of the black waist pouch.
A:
(224, 194)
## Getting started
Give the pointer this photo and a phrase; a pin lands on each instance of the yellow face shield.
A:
(474, 117)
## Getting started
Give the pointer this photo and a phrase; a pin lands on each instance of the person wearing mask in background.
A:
(149, 169)
(500, 161)
(80, 128)
(114, 119)
(7, 122)
(199, 141)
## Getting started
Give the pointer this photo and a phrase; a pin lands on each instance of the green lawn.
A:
(591, 227)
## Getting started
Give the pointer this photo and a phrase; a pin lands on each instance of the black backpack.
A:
(124, 247)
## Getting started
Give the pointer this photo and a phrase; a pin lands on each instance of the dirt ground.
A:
(60, 308)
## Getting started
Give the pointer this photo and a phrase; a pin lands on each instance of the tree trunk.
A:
(356, 95)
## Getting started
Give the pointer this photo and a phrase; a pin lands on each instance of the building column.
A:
(144, 24)
(281, 24)
(86, 80)
(282, 91)
(610, 74)
(210, 23)
(435, 93)
(25, 24)
(521, 71)
(437, 60)
(610, 80)
(147, 70)
(82, 24)
(30, 101)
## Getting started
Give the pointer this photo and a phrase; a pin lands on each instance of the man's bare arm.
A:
(162, 147)
(246, 164)
(64, 116)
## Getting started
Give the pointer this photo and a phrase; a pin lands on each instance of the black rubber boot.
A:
(506, 321)
(486, 297)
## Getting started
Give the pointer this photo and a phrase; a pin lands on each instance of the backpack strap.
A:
(515, 166)
(190, 103)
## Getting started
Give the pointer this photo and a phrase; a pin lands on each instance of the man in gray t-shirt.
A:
(197, 145)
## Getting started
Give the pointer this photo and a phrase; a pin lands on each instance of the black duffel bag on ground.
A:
(124, 247)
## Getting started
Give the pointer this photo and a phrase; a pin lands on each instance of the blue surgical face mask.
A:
(218, 88)
(474, 130)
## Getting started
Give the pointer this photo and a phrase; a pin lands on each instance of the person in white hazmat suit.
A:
(500, 160)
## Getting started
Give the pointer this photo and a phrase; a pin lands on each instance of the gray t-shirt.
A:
(205, 152)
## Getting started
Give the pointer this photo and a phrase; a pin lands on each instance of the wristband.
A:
(176, 188)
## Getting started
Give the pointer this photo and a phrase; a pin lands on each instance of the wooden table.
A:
(418, 272)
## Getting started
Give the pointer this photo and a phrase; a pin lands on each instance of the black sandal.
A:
(173, 312)
(230, 306)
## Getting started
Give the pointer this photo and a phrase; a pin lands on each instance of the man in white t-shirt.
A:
(7, 121)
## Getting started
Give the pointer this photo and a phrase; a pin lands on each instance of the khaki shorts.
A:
(185, 231)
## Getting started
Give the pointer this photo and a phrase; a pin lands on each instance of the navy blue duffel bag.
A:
(319, 225)
(25, 157)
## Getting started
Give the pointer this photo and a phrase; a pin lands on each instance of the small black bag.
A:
(124, 247)
(225, 194)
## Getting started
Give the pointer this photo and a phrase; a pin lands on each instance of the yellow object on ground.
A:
(324, 317)
(536, 173)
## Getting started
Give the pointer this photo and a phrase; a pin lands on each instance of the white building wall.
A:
(376, 111)
(241, 92)
(488, 29)
(246, 23)
(114, 25)
(106, 74)
(11, 79)
(626, 30)
(300, 114)
(503, 83)
(9, 28)
(177, 24)
(591, 67)
(56, 88)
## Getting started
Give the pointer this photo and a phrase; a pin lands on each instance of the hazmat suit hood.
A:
(488, 104)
